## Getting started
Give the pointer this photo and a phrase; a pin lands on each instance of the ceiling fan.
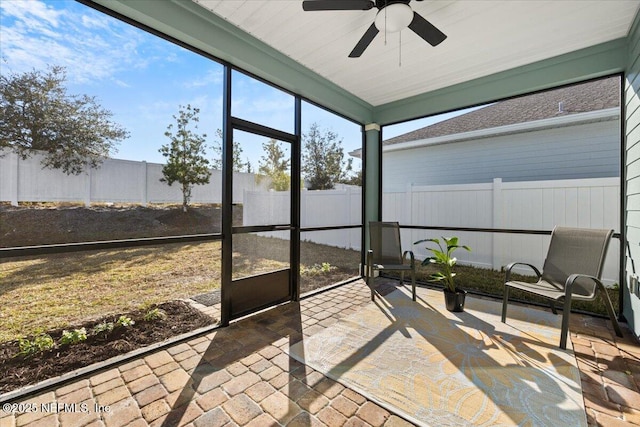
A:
(392, 16)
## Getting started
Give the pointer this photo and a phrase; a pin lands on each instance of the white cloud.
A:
(92, 46)
(121, 83)
(213, 76)
(33, 14)
(95, 21)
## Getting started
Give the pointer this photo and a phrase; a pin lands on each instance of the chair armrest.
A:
(513, 264)
(412, 259)
(605, 296)
(568, 286)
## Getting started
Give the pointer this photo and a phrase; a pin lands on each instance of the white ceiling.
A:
(484, 37)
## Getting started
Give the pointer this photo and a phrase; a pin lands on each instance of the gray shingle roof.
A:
(580, 98)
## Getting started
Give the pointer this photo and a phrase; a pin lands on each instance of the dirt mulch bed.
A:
(44, 223)
(18, 371)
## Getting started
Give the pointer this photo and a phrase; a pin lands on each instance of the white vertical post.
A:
(14, 179)
(144, 184)
(408, 216)
(348, 197)
(497, 223)
(245, 211)
(87, 185)
(347, 240)
(303, 207)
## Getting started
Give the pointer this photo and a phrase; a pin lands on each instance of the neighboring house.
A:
(568, 133)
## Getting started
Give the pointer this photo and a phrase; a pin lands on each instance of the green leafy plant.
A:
(326, 267)
(73, 337)
(124, 321)
(444, 259)
(154, 314)
(39, 343)
(316, 269)
(103, 328)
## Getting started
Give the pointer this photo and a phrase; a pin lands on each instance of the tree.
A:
(186, 157)
(355, 179)
(275, 165)
(323, 162)
(238, 164)
(37, 113)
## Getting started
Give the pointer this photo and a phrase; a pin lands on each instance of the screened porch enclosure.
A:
(273, 252)
(245, 206)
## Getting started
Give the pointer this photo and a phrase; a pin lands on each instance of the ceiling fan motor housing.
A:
(394, 16)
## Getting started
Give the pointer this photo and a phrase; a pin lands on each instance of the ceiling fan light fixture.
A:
(396, 16)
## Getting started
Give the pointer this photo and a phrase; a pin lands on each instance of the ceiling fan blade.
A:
(426, 30)
(312, 5)
(364, 42)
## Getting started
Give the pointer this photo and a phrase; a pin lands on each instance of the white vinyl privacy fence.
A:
(115, 181)
(318, 208)
(535, 205)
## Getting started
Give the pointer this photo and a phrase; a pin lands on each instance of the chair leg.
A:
(413, 284)
(369, 275)
(552, 304)
(609, 306)
(564, 332)
(505, 300)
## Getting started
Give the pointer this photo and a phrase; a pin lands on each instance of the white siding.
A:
(582, 151)
(631, 308)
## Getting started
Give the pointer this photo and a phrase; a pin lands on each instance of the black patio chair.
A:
(386, 254)
(571, 271)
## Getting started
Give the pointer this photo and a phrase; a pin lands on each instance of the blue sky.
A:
(143, 79)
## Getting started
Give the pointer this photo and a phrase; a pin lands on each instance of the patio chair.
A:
(386, 254)
(571, 271)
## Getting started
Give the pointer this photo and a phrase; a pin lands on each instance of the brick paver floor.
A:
(241, 376)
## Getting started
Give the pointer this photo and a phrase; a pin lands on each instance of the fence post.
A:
(145, 186)
(408, 216)
(303, 207)
(245, 211)
(14, 178)
(497, 223)
(87, 186)
(347, 192)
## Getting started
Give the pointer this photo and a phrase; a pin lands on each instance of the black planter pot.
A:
(454, 300)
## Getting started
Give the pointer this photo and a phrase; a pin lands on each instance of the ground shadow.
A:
(228, 347)
(469, 354)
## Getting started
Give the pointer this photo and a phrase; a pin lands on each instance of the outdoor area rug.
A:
(438, 368)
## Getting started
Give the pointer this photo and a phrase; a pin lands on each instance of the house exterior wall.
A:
(631, 303)
(589, 150)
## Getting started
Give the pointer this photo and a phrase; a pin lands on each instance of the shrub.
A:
(124, 321)
(73, 337)
(40, 343)
(103, 328)
(155, 314)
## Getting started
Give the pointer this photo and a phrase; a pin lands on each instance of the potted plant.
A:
(443, 258)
